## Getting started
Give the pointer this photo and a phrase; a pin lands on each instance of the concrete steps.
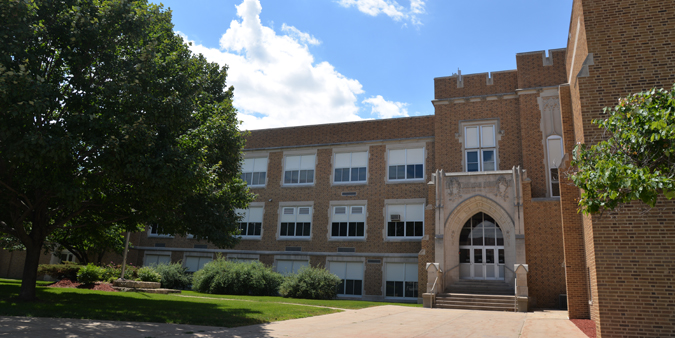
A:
(481, 287)
(475, 302)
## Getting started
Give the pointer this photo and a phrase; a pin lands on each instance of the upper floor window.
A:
(406, 164)
(254, 171)
(350, 167)
(296, 222)
(480, 148)
(157, 231)
(251, 222)
(348, 221)
(405, 221)
(554, 154)
(299, 169)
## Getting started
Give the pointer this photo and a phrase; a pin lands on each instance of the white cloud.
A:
(276, 81)
(386, 109)
(300, 36)
(390, 8)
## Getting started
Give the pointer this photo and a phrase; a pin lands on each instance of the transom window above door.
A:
(480, 151)
(350, 167)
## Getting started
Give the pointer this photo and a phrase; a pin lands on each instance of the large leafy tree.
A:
(107, 118)
(636, 160)
(88, 244)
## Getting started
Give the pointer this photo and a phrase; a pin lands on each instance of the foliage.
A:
(89, 244)
(89, 273)
(310, 283)
(65, 270)
(174, 276)
(221, 276)
(112, 272)
(148, 274)
(108, 119)
(637, 159)
(147, 307)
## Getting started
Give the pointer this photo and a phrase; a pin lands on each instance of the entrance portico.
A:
(479, 233)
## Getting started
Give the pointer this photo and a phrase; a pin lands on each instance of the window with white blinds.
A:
(254, 171)
(401, 280)
(351, 274)
(480, 148)
(250, 225)
(406, 164)
(299, 169)
(350, 167)
(348, 221)
(296, 222)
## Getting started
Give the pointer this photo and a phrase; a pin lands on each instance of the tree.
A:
(89, 244)
(107, 118)
(636, 160)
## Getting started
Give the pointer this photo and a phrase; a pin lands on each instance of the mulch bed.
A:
(587, 326)
(67, 283)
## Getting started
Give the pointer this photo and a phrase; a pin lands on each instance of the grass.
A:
(336, 303)
(142, 307)
(211, 310)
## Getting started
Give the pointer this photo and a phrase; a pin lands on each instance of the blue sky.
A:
(299, 62)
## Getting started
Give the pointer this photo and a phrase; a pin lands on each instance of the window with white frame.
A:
(348, 221)
(286, 267)
(299, 169)
(254, 171)
(405, 221)
(250, 225)
(554, 147)
(401, 280)
(296, 222)
(194, 263)
(350, 167)
(406, 164)
(156, 259)
(66, 256)
(351, 274)
(155, 230)
(480, 153)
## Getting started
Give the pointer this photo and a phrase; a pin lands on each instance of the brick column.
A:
(572, 226)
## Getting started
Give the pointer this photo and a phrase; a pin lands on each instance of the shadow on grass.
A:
(86, 304)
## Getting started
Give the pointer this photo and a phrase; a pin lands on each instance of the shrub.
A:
(148, 274)
(310, 283)
(89, 273)
(66, 270)
(112, 272)
(237, 278)
(174, 276)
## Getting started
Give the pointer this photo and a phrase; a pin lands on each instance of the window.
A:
(479, 146)
(348, 221)
(401, 280)
(254, 171)
(299, 169)
(351, 274)
(155, 259)
(286, 267)
(157, 231)
(350, 167)
(66, 256)
(555, 154)
(194, 263)
(296, 222)
(406, 164)
(405, 221)
(251, 222)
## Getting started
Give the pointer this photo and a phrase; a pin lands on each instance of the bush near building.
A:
(174, 276)
(311, 283)
(237, 278)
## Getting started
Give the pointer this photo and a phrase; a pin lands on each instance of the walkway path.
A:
(381, 321)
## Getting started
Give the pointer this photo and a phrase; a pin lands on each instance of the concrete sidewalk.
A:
(381, 321)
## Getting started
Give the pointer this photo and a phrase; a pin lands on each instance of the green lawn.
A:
(143, 307)
(337, 303)
(211, 310)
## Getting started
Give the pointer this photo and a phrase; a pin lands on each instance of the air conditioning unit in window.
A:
(395, 218)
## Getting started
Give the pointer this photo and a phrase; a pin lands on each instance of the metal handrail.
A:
(433, 288)
(515, 295)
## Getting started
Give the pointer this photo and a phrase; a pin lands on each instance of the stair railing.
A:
(433, 288)
(515, 295)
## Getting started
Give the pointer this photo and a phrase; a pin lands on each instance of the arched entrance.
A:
(481, 249)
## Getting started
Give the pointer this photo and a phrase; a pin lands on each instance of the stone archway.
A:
(453, 225)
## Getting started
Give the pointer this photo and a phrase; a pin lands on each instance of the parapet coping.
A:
(314, 145)
(474, 74)
(511, 95)
(480, 173)
(542, 51)
(344, 123)
(305, 253)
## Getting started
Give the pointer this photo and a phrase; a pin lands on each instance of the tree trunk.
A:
(30, 268)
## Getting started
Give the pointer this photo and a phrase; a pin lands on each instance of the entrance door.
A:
(481, 249)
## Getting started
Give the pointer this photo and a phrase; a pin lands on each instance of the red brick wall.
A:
(533, 73)
(476, 84)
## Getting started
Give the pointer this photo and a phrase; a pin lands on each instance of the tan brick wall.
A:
(531, 145)
(544, 251)
(533, 73)
(11, 263)
(476, 84)
(632, 52)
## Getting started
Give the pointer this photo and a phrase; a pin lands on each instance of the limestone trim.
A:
(470, 207)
